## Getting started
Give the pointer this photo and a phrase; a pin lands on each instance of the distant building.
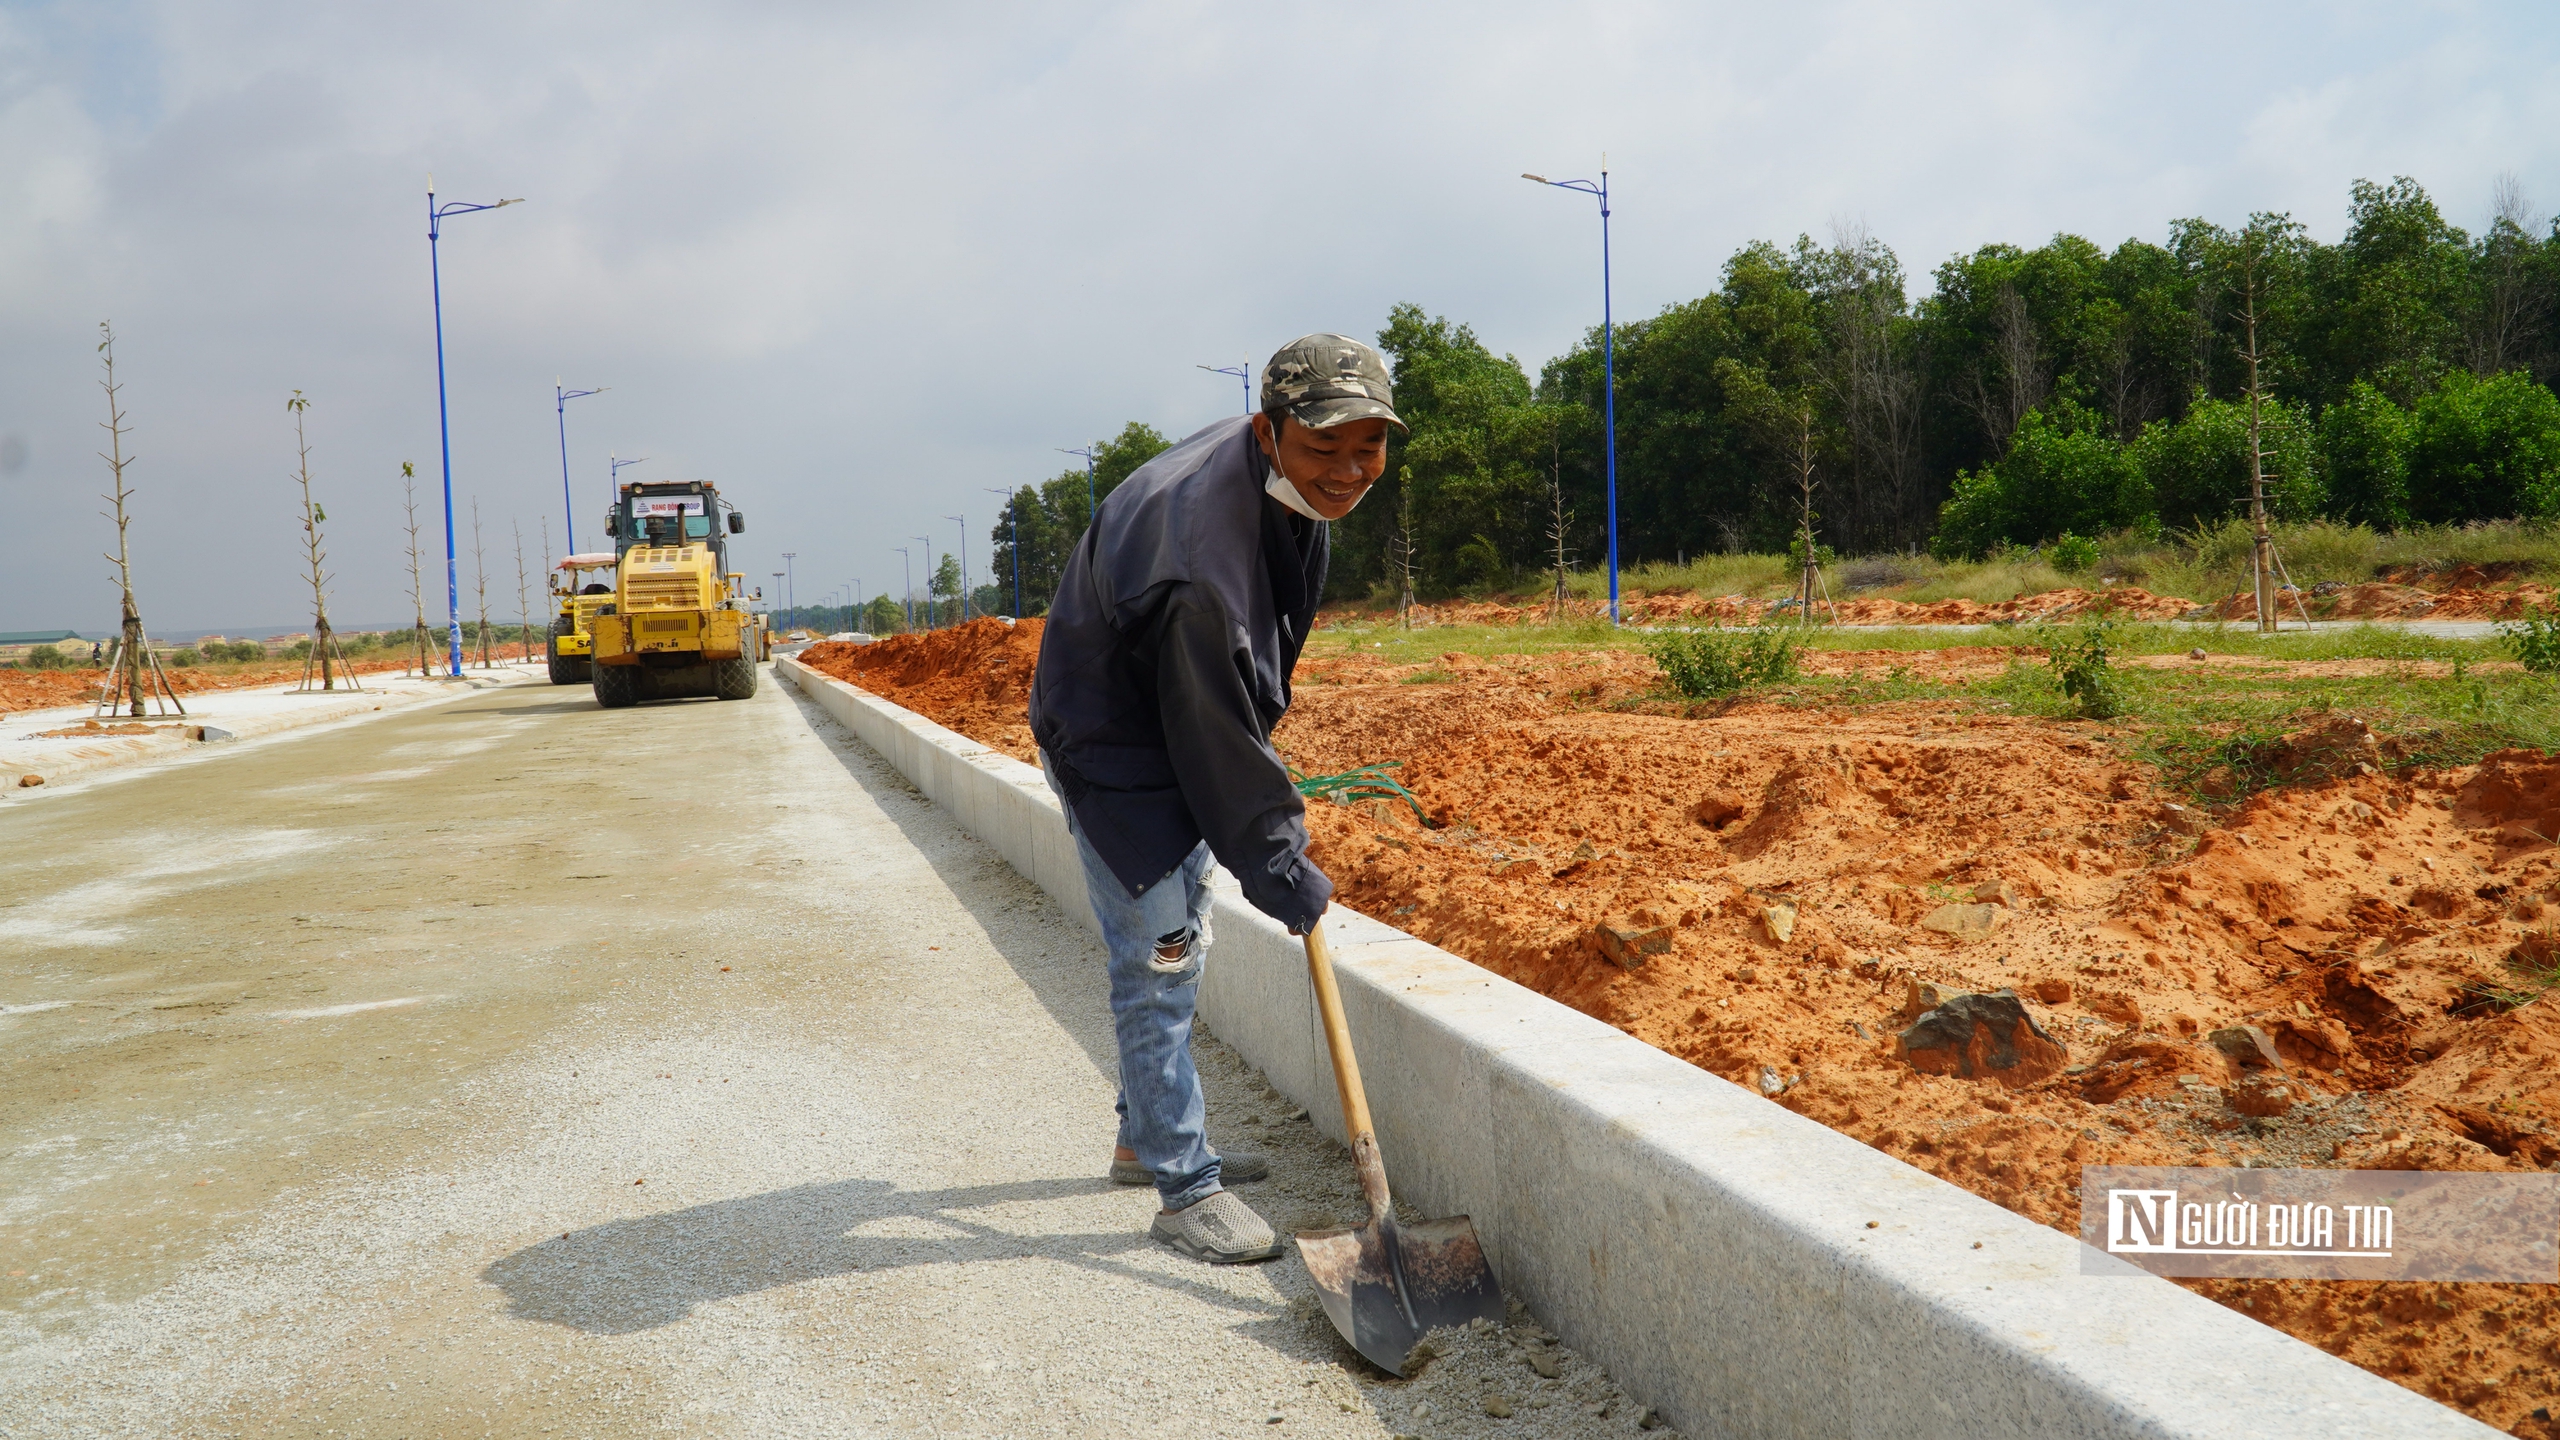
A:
(37, 637)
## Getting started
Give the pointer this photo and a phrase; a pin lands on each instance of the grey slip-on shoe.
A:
(1222, 1230)
(1235, 1167)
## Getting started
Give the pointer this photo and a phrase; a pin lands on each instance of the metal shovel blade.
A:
(1387, 1284)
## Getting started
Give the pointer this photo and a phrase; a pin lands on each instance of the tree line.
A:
(2405, 377)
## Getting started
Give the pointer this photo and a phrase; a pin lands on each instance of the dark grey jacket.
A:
(1166, 662)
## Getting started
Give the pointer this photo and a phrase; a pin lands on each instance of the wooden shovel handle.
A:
(1346, 1076)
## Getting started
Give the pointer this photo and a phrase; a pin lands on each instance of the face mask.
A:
(1279, 488)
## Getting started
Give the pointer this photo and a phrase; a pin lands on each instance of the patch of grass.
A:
(2536, 641)
(2205, 732)
(2202, 565)
(1383, 641)
(1756, 576)
(2079, 664)
(1427, 677)
(1711, 664)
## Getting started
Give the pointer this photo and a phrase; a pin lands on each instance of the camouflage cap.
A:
(1329, 380)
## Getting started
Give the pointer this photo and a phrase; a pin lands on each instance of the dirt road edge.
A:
(1712, 1249)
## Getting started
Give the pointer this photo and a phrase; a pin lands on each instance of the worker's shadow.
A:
(638, 1274)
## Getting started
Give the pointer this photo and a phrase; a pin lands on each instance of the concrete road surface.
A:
(515, 1067)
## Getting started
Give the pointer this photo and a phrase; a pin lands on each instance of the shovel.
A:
(1386, 1284)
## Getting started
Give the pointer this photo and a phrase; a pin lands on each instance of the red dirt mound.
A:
(2363, 922)
(973, 678)
(2383, 601)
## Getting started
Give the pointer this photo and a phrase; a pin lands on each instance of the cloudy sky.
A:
(859, 263)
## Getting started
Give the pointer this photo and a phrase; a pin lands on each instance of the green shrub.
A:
(2072, 555)
(2198, 467)
(1711, 664)
(2364, 446)
(1824, 557)
(2536, 639)
(46, 657)
(2485, 448)
(2079, 661)
(2062, 473)
(184, 658)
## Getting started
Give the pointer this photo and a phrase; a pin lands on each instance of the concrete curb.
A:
(1712, 1249)
(59, 761)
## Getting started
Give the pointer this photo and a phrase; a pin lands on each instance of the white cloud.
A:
(858, 262)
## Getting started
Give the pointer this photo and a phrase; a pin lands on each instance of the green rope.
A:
(1367, 782)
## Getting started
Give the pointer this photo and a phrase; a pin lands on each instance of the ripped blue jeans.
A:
(1158, 943)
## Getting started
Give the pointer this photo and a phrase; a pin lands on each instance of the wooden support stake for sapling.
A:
(135, 677)
(480, 579)
(324, 652)
(1558, 523)
(1401, 552)
(417, 582)
(524, 604)
(2262, 545)
(1810, 581)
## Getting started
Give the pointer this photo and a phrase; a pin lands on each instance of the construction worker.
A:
(1163, 668)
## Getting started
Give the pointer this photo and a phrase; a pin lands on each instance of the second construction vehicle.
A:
(679, 622)
(573, 636)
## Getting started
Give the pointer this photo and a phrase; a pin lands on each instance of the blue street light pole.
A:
(444, 422)
(1608, 362)
(907, 566)
(1013, 515)
(614, 466)
(1244, 377)
(560, 404)
(1090, 504)
(790, 606)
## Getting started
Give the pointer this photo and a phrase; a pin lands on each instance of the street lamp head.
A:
(1541, 179)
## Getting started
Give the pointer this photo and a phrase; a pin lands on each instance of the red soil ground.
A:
(55, 689)
(2361, 916)
(974, 678)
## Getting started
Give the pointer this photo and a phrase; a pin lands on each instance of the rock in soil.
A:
(1780, 920)
(1983, 1037)
(1919, 997)
(2247, 1045)
(2263, 1095)
(1964, 922)
(1627, 943)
